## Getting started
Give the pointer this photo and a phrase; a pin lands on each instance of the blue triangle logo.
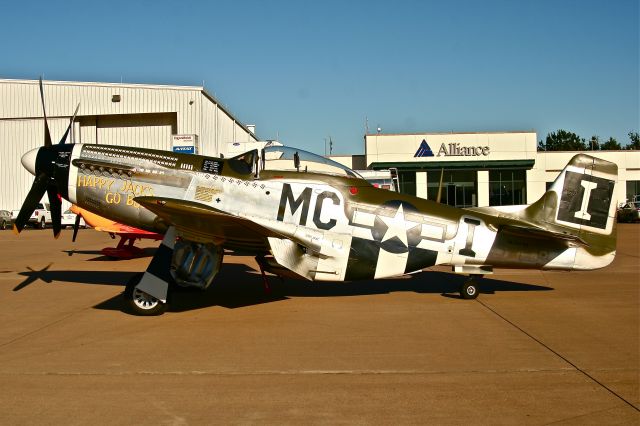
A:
(424, 150)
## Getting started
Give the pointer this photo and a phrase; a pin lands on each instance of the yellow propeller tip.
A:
(15, 230)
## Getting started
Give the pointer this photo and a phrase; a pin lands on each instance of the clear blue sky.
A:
(307, 70)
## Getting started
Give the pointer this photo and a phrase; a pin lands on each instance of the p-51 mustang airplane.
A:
(306, 216)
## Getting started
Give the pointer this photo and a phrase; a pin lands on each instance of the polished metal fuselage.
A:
(319, 226)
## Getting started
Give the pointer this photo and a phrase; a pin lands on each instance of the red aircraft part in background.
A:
(128, 235)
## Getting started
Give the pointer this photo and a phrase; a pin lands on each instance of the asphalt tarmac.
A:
(534, 348)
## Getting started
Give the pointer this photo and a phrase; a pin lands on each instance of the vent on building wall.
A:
(115, 98)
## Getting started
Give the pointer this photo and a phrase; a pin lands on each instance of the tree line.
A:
(563, 140)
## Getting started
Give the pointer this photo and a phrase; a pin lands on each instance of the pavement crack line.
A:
(541, 343)
(32, 332)
(272, 373)
(591, 413)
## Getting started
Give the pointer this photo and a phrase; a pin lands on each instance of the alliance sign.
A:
(451, 150)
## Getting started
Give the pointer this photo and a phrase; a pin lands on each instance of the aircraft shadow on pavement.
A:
(118, 278)
(238, 286)
(145, 252)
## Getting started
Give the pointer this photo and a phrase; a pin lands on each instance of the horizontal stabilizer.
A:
(542, 234)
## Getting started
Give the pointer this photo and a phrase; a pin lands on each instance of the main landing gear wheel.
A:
(141, 303)
(469, 290)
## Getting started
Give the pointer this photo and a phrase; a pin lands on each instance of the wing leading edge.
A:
(200, 222)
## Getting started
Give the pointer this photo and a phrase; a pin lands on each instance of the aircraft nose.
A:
(29, 160)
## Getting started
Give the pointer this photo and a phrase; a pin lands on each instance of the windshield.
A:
(287, 158)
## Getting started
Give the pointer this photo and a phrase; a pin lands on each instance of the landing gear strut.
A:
(265, 281)
(469, 289)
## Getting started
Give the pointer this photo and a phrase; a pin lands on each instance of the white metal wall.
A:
(209, 120)
(141, 130)
(145, 116)
(219, 128)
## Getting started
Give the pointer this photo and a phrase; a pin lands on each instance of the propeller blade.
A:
(64, 137)
(56, 209)
(440, 186)
(76, 226)
(47, 135)
(34, 196)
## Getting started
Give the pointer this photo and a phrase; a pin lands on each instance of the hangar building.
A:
(480, 169)
(149, 116)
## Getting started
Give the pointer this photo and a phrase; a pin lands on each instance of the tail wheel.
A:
(141, 303)
(469, 289)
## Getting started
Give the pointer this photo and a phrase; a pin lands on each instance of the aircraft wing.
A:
(201, 222)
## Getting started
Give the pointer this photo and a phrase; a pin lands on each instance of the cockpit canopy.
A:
(286, 158)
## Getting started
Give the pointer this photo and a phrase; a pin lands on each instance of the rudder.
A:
(582, 199)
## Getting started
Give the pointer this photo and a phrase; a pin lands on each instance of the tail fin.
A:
(581, 202)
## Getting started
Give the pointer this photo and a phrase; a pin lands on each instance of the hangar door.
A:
(138, 130)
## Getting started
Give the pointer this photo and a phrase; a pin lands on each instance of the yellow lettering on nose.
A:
(130, 201)
(112, 198)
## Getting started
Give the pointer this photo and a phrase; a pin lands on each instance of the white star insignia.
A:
(397, 226)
